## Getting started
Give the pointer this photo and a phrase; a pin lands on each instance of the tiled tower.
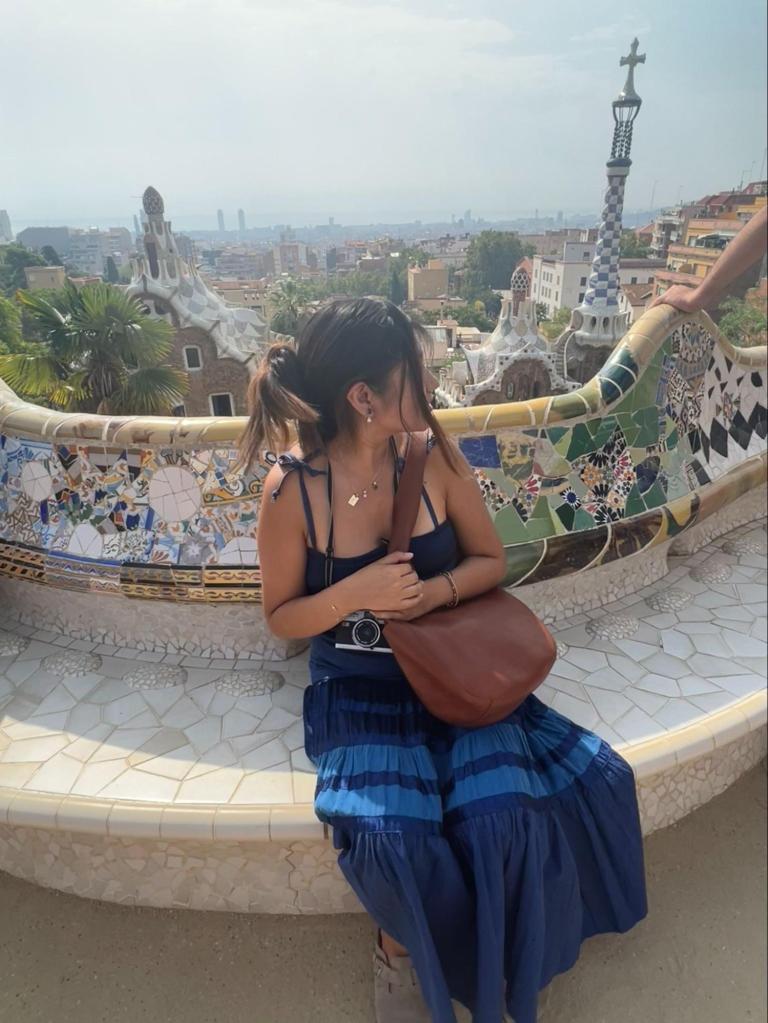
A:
(597, 322)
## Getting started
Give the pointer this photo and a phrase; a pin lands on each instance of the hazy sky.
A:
(368, 109)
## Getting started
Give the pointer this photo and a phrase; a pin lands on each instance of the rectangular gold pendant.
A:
(353, 500)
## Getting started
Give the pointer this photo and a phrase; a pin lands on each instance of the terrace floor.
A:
(698, 957)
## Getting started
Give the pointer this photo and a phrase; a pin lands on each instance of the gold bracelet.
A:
(338, 613)
(455, 598)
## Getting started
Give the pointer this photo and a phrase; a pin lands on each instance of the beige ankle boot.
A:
(396, 992)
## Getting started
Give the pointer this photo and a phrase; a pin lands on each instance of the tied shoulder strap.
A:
(406, 504)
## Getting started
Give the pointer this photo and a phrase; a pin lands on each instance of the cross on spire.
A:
(631, 60)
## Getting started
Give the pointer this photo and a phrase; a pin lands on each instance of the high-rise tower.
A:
(6, 234)
(597, 322)
(220, 219)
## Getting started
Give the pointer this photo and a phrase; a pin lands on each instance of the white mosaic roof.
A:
(238, 333)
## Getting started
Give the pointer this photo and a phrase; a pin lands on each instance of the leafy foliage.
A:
(98, 352)
(13, 259)
(554, 327)
(744, 324)
(491, 258)
(632, 247)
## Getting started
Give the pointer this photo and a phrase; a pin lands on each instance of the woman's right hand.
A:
(389, 584)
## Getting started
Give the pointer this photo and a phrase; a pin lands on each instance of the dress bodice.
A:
(433, 552)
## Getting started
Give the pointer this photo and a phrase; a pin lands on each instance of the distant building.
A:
(248, 294)
(38, 237)
(513, 364)
(702, 238)
(634, 299)
(290, 257)
(43, 277)
(217, 344)
(550, 243)
(669, 228)
(241, 221)
(90, 249)
(427, 283)
(6, 234)
(220, 220)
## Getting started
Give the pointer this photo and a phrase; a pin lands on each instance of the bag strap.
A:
(405, 508)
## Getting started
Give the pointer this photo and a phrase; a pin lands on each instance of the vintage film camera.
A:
(361, 631)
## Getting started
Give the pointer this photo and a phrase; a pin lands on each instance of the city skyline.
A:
(331, 109)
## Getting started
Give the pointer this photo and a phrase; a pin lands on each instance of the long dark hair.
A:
(345, 341)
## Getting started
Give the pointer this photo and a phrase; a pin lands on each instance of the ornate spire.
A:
(598, 320)
(153, 202)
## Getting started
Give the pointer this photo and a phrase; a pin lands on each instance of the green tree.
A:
(743, 323)
(632, 247)
(13, 259)
(541, 312)
(99, 353)
(289, 300)
(553, 328)
(491, 258)
(396, 290)
(10, 327)
(51, 256)
(111, 273)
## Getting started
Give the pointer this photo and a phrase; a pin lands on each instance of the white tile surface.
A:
(95, 735)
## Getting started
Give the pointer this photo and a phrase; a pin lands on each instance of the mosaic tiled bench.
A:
(150, 732)
(166, 780)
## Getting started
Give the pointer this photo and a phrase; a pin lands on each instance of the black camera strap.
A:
(329, 488)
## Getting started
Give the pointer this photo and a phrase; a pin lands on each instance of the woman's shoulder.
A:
(284, 465)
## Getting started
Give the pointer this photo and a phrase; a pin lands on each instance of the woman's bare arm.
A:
(746, 249)
(289, 612)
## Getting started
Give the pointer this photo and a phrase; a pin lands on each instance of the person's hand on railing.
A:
(687, 300)
(743, 252)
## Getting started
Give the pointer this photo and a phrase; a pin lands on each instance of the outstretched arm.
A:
(746, 248)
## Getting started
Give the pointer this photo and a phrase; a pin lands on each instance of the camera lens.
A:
(366, 632)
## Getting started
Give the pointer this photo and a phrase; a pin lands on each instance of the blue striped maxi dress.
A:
(489, 853)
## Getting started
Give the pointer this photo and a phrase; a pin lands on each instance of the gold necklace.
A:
(359, 495)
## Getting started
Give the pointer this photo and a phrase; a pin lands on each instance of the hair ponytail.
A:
(275, 398)
(345, 341)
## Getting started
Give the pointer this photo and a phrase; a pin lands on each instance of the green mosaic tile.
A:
(563, 442)
(581, 442)
(619, 376)
(605, 431)
(582, 520)
(624, 358)
(566, 514)
(654, 497)
(648, 421)
(634, 504)
(609, 390)
(510, 526)
(556, 433)
(672, 438)
(568, 405)
(521, 558)
(540, 529)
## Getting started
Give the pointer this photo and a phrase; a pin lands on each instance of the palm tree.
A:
(99, 353)
(289, 300)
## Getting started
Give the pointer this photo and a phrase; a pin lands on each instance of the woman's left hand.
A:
(428, 601)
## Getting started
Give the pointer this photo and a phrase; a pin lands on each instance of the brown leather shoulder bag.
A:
(472, 664)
